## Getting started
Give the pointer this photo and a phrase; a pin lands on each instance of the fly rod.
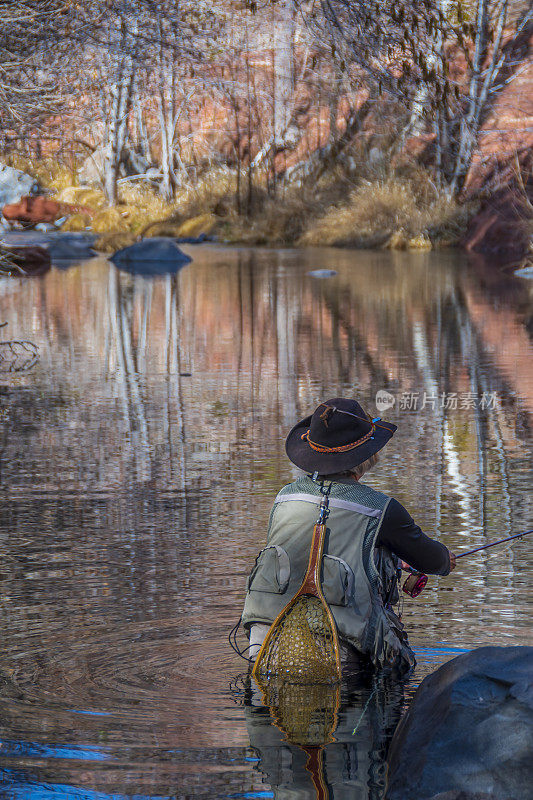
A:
(493, 544)
(416, 581)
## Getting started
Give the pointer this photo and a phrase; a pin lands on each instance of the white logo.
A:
(384, 400)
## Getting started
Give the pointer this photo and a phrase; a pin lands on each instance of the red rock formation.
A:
(500, 228)
(30, 211)
(503, 165)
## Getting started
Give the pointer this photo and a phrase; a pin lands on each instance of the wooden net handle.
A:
(311, 581)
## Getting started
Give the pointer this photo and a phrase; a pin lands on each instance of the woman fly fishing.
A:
(368, 534)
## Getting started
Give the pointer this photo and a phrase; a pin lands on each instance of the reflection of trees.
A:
(434, 361)
(263, 345)
(271, 343)
(136, 495)
(107, 406)
(127, 371)
(175, 410)
(286, 308)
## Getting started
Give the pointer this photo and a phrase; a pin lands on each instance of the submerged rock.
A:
(155, 256)
(67, 249)
(468, 734)
(525, 272)
(322, 273)
(202, 239)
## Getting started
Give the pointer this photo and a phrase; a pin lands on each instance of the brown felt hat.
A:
(338, 436)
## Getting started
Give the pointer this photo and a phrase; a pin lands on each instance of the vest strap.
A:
(334, 502)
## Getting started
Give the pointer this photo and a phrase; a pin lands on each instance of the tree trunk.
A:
(165, 123)
(481, 82)
(143, 141)
(117, 127)
(320, 160)
(283, 57)
(422, 96)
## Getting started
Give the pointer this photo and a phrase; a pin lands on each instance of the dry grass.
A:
(111, 242)
(83, 196)
(213, 193)
(396, 212)
(276, 221)
(77, 223)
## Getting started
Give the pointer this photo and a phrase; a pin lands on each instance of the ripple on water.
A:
(139, 462)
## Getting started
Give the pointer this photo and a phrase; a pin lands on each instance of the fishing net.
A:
(302, 644)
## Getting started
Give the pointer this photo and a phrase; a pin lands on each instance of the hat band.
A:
(342, 448)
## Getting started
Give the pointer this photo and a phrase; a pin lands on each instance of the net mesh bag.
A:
(301, 646)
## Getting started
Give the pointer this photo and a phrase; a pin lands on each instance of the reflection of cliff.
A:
(505, 339)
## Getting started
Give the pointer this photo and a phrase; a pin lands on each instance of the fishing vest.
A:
(359, 580)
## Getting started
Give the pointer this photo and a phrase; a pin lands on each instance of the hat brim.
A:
(302, 454)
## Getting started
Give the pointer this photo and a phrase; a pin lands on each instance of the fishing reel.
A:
(414, 584)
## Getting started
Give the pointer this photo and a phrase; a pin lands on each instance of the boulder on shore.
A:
(15, 184)
(468, 734)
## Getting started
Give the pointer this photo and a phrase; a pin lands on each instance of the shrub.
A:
(410, 212)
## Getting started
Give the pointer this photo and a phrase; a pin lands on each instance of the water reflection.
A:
(138, 462)
(317, 742)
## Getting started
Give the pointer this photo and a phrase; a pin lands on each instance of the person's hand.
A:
(453, 562)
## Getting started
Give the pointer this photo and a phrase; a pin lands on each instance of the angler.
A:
(368, 535)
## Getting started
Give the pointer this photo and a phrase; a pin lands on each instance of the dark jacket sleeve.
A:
(400, 534)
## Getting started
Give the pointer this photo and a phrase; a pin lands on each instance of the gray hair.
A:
(356, 472)
(367, 465)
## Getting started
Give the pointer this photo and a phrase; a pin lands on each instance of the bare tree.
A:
(121, 92)
(31, 50)
(283, 31)
(408, 50)
(492, 54)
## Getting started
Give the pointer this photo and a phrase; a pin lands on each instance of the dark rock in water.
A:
(202, 239)
(468, 734)
(156, 256)
(33, 261)
(322, 273)
(66, 249)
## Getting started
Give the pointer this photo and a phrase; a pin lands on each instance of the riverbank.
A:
(374, 207)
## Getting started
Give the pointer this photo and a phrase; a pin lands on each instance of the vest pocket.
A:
(338, 581)
(272, 571)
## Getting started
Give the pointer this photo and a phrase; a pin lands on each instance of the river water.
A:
(139, 459)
